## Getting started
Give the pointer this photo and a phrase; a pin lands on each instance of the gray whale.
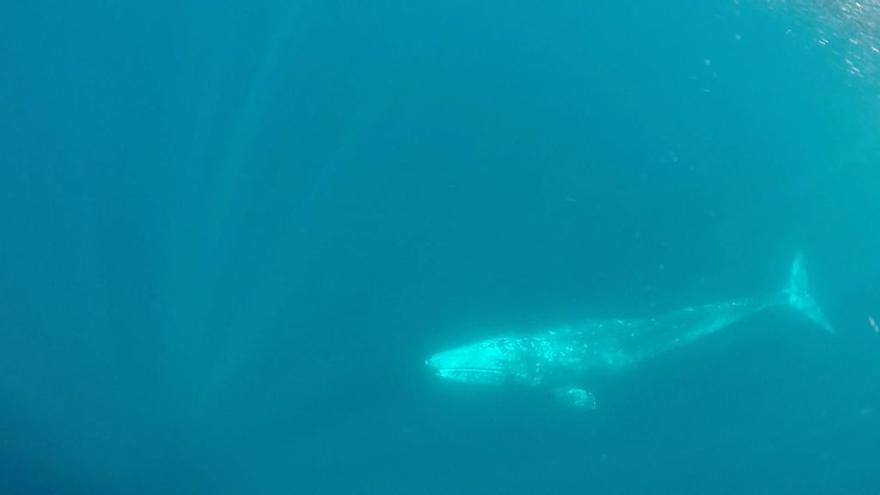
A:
(563, 359)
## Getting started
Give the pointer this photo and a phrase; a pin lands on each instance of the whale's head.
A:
(487, 362)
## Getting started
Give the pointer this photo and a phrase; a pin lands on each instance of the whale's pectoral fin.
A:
(576, 397)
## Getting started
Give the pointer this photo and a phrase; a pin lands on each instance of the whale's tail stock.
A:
(799, 297)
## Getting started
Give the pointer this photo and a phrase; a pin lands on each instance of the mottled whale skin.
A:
(563, 359)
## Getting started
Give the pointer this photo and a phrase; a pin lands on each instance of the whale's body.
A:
(565, 358)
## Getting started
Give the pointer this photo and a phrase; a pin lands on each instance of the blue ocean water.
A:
(233, 231)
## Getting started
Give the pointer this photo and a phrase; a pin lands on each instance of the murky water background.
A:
(232, 232)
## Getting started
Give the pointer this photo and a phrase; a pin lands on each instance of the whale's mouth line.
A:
(469, 370)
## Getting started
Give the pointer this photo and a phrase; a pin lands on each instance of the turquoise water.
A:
(232, 232)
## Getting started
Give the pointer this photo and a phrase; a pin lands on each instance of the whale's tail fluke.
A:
(799, 296)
